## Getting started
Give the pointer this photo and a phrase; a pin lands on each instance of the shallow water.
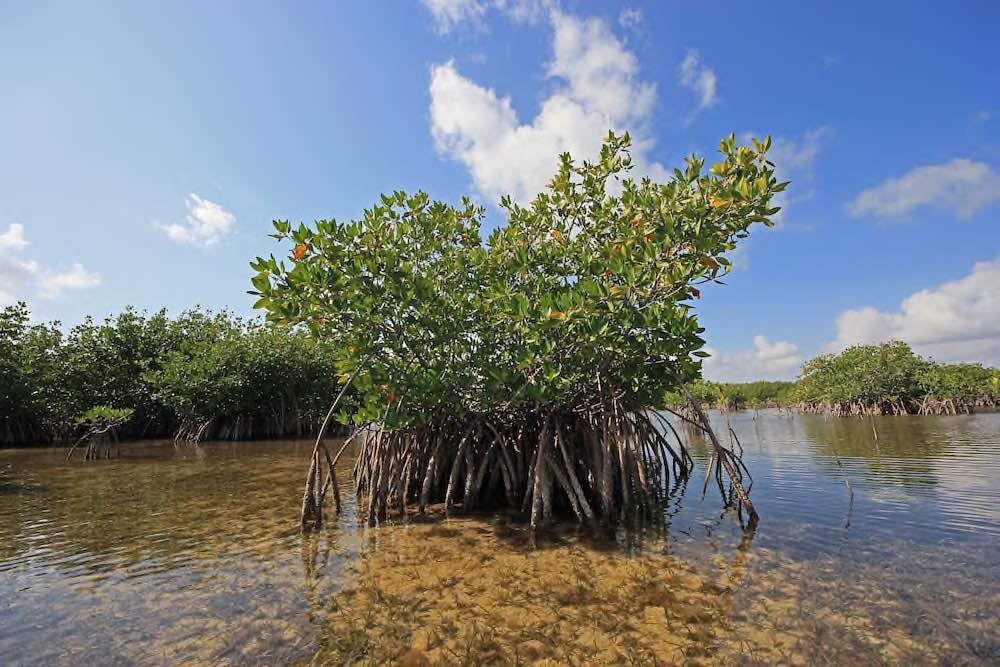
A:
(191, 555)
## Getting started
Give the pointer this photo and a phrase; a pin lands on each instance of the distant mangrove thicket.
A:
(735, 395)
(195, 376)
(890, 379)
(880, 379)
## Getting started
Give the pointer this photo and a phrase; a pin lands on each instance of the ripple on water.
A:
(191, 556)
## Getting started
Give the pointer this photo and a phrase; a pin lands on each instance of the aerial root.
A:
(101, 439)
(725, 459)
(601, 466)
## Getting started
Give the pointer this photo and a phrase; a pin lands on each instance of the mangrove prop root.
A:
(725, 459)
(315, 491)
(602, 466)
(902, 406)
(100, 438)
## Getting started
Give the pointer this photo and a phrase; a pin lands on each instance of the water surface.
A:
(878, 543)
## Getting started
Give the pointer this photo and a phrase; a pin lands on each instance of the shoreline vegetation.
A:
(197, 376)
(890, 379)
(209, 386)
(862, 381)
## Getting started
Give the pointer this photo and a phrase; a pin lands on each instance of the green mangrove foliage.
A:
(890, 379)
(102, 414)
(230, 379)
(199, 375)
(27, 354)
(518, 371)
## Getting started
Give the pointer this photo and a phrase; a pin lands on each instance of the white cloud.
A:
(20, 277)
(599, 89)
(206, 224)
(525, 11)
(793, 160)
(600, 73)
(779, 360)
(955, 321)
(13, 239)
(961, 186)
(448, 14)
(700, 79)
(52, 284)
(630, 18)
(796, 155)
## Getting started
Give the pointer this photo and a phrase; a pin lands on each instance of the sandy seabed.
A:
(462, 592)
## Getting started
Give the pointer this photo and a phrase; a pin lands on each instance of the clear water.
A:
(191, 555)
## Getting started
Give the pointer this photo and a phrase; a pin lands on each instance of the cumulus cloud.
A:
(20, 277)
(13, 239)
(779, 360)
(206, 224)
(955, 321)
(961, 186)
(700, 79)
(601, 74)
(598, 89)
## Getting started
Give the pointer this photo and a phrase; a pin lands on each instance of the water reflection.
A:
(191, 556)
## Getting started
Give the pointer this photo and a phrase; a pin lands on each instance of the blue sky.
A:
(145, 147)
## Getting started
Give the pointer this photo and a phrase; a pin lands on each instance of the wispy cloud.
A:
(206, 223)
(961, 186)
(630, 18)
(793, 159)
(795, 154)
(21, 277)
(700, 79)
(449, 14)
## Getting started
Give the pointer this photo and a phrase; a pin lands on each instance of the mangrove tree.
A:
(518, 372)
